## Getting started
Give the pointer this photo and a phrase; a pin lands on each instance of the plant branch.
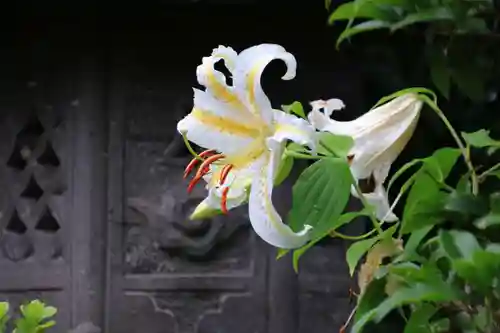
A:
(487, 172)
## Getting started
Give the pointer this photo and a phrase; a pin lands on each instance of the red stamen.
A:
(206, 153)
(194, 161)
(204, 167)
(190, 167)
(224, 172)
(199, 175)
(224, 200)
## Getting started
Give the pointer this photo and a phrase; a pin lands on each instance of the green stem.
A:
(464, 150)
(487, 172)
(301, 156)
(375, 223)
(353, 238)
(190, 149)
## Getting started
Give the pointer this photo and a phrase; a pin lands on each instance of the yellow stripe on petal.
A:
(225, 125)
(250, 84)
(222, 92)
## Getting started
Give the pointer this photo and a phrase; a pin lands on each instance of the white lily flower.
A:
(246, 138)
(379, 137)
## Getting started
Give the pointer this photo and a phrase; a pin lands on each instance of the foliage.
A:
(451, 28)
(438, 265)
(35, 317)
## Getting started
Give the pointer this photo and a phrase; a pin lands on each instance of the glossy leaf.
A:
(342, 220)
(334, 145)
(366, 10)
(420, 318)
(362, 27)
(425, 198)
(413, 242)
(418, 292)
(284, 169)
(481, 139)
(358, 249)
(432, 14)
(466, 204)
(295, 108)
(320, 195)
(458, 244)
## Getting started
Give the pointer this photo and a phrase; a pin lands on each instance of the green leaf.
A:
(458, 244)
(440, 326)
(284, 169)
(425, 199)
(367, 10)
(359, 248)
(362, 27)
(419, 319)
(481, 139)
(426, 15)
(465, 204)
(487, 221)
(342, 220)
(328, 3)
(334, 145)
(440, 75)
(372, 296)
(320, 195)
(411, 246)
(295, 108)
(4, 309)
(418, 292)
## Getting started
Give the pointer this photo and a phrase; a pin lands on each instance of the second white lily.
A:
(245, 138)
(379, 137)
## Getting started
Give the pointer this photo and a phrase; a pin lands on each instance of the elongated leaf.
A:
(362, 27)
(358, 249)
(320, 195)
(458, 244)
(284, 169)
(295, 108)
(432, 14)
(419, 292)
(342, 220)
(334, 145)
(440, 74)
(411, 246)
(425, 199)
(367, 10)
(481, 139)
(419, 320)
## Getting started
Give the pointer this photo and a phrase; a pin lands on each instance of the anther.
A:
(224, 172)
(223, 203)
(195, 161)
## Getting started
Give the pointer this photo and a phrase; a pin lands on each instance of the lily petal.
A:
(264, 218)
(333, 104)
(215, 81)
(248, 71)
(211, 124)
(290, 127)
